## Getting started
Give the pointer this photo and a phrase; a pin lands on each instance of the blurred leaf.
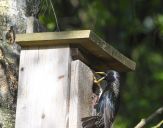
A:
(159, 22)
(159, 76)
(51, 26)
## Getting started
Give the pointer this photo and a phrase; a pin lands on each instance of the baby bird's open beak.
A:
(99, 80)
(101, 73)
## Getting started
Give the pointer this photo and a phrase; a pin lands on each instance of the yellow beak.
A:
(101, 73)
(98, 81)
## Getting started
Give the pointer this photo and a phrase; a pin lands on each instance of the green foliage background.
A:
(134, 27)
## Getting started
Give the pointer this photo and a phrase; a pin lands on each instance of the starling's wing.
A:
(107, 108)
(108, 116)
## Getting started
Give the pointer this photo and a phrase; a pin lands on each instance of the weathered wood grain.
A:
(80, 93)
(86, 39)
(43, 93)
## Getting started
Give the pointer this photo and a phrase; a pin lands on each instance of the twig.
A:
(143, 122)
(158, 125)
(55, 15)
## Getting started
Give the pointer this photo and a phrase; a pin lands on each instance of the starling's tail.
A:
(92, 122)
(89, 122)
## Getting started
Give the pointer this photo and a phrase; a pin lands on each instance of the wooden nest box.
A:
(55, 77)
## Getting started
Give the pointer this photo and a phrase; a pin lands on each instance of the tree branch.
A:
(158, 125)
(143, 122)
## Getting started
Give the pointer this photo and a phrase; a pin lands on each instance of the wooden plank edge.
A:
(80, 93)
(32, 38)
(108, 49)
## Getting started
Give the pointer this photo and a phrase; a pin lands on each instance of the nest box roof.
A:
(87, 40)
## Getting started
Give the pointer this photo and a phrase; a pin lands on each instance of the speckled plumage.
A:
(107, 105)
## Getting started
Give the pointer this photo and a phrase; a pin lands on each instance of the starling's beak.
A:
(98, 81)
(101, 73)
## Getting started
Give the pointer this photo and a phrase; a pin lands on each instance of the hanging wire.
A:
(43, 9)
(58, 29)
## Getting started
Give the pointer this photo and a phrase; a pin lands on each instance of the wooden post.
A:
(43, 93)
(80, 93)
(53, 92)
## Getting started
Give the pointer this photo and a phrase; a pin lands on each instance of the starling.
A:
(108, 103)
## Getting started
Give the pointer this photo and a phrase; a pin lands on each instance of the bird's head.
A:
(112, 75)
(109, 76)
